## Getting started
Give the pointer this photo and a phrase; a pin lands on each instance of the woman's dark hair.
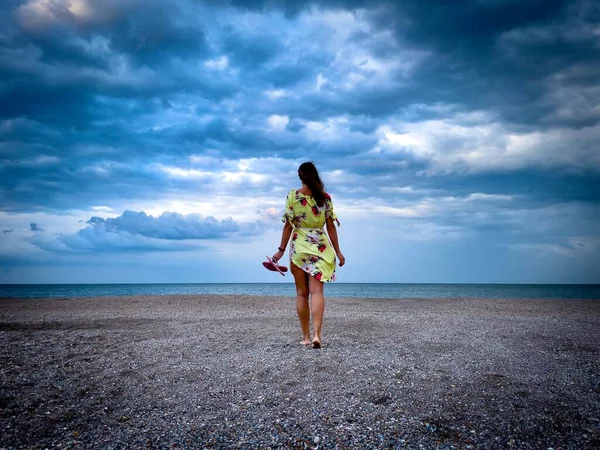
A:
(310, 176)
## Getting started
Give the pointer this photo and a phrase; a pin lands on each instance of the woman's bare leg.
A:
(302, 308)
(317, 307)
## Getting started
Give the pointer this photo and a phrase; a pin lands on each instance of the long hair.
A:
(310, 176)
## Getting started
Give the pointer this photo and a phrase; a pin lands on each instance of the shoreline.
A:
(287, 289)
(227, 371)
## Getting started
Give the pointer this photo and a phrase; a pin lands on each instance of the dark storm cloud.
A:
(294, 125)
(135, 232)
(64, 71)
(498, 55)
(250, 52)
(494, 55)
(150, 34)
(57, 185)
(534, 187)
(173, 226)
(94, 105)
(290, 7)
(34, 227)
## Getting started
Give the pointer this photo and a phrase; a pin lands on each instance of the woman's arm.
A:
(333, 237)
(285, 237)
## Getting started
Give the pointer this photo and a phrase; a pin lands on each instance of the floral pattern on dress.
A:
(310, 248)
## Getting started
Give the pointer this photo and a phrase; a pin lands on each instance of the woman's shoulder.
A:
(293, 194)
(303, 191)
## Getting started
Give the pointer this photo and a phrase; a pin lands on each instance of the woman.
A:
(312, 255)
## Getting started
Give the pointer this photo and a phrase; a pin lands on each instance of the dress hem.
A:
(308, 273)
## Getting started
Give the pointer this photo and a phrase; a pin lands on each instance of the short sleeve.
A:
(329, 211)
(288, 213)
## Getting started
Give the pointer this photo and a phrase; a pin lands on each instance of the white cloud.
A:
(103, 169)
(418, 210)
(335, 131)
(203, 160)
(353, 62)
(220, 63)
(404, 190)
(321, 80)
(481, 196)
(222, 177)
(278, 122)
(46, 160)
(36, 14)
(178, 172)
(242, 177)
(274, 94)
(480, 144)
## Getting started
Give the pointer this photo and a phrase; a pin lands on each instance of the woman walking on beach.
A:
(312, 254)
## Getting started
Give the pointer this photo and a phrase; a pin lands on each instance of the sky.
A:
(156, 141)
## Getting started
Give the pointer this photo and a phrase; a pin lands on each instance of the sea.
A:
(362, 290)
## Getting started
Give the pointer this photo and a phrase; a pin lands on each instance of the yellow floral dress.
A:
(310, 248)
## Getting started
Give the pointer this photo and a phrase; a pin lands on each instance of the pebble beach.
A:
(228, 372)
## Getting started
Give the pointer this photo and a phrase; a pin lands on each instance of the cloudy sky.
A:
(155, 141)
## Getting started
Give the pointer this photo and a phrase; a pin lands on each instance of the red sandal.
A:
(274, 267)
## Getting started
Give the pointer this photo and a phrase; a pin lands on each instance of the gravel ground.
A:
(229, 372)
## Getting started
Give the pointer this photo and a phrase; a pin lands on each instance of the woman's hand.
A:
(277, 256)
(341, 259)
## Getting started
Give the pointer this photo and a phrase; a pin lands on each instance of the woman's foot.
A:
(305, 342)
(316, 343)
